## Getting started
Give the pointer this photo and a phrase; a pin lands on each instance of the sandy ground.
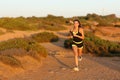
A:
(60, 61)
(109, 33)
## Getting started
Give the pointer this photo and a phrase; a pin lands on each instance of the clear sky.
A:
(66, 8)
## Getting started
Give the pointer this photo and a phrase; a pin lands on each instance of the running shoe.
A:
(80, 58)
(76, 69)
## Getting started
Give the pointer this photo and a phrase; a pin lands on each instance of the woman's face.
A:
(76, 24)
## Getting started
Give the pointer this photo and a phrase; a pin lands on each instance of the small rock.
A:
(51, 72)
(63, 68)
(86, 69)
(51, 53)
(60, 53)
(56, 72)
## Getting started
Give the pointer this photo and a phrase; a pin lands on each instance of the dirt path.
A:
(59, 63)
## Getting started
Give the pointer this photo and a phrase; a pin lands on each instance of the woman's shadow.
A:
(63, 64)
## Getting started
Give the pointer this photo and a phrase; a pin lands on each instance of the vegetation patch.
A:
(28, 46)
(45, 37)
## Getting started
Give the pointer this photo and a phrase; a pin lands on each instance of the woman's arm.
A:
(70, 34)
(82, 32)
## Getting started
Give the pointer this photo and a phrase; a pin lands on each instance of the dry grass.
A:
(10, 60)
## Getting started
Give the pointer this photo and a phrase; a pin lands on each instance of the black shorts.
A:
(78, 44)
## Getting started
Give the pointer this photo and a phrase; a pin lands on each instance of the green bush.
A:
(53, 27)
(68, 43)
(101, 47)
(117, 25)
(45, 37)
(25, 44)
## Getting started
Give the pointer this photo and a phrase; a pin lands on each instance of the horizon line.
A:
(118, 16)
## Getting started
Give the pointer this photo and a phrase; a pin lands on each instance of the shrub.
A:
(68, 43)
(53, 27)
(117, 25)
(25, 44)
(45, 37)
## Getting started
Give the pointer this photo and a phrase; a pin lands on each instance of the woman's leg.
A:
(80, 54)
(75, 50)
(80, 51)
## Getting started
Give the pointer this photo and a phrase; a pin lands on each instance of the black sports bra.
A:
(76, 39)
